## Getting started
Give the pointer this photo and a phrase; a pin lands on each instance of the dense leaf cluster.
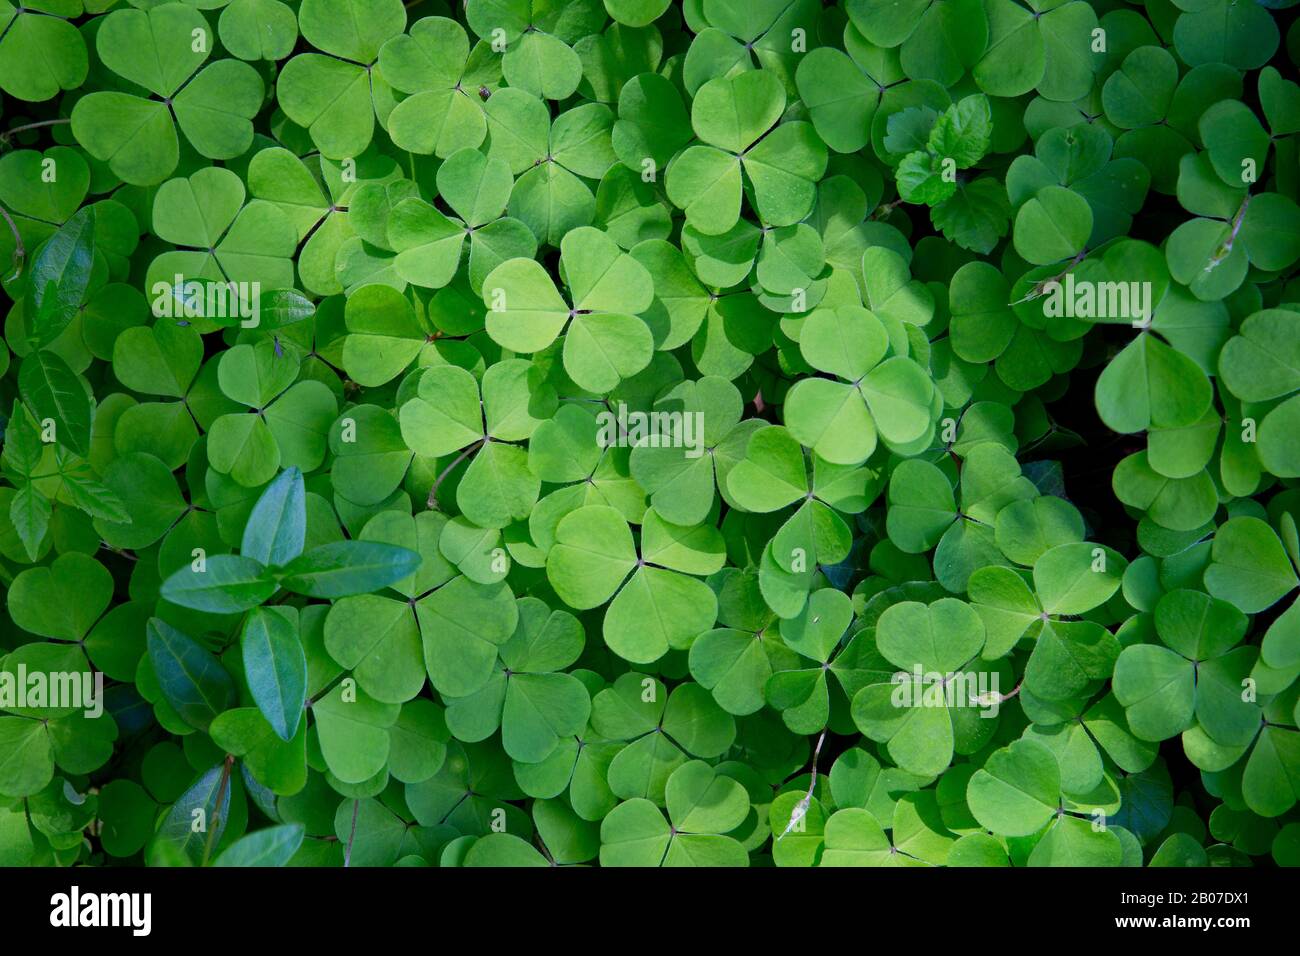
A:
(575, 431)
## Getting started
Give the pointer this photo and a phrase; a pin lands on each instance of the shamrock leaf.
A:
(1082, 159)
(319, 210)
(1046, 49)
(533, 706)
(567, 451)
(1233, 230)
(743, 39)
(41, 53)
(853, 837)
(659, 729)
(248, 246)
(701, 805)
(1256, 365)
(429, 245)
(336, 93)
(736, 660)
(434, 65)
(289, 420)
(918, 713)
(552, 159)
(258, 30)
(1249, 567)
(605, 341)
(1069, 579)
(1018, 793)
(802, 694)
(448, 414)
(735, 118)
(1197, 673)
(876, 395)
(591, 560)
(681, 480)
(937, 43)
(164, 50)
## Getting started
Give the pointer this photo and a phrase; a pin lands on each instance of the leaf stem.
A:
(1040, 287)
(433, 491)
(8, 134)
(216, 810)
(20, 251)
(1225, 250)
(801, 808)
(352, 835)
(883, 212)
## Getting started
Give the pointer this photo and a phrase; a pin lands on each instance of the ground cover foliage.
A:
(522, 432)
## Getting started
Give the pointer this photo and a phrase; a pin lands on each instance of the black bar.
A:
(338, 906)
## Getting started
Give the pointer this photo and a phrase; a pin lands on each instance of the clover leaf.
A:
(605, 341)
(660, 732)
(701, 805)
(431, 63)
(41, 53)
(1196, 673)
(591, 560)
(1018, 793)
(889, 397)
(945, 638)
(734, 119)
(163, 50)
(533, 706)
(429, 245)
(335, 94)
